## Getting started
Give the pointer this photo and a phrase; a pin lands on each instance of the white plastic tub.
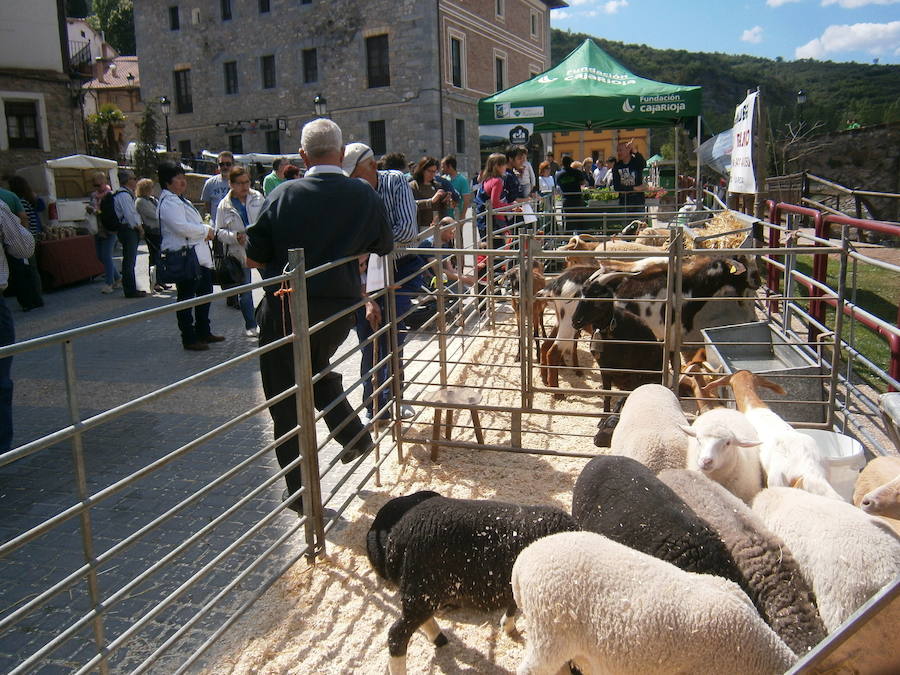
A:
(843, 457)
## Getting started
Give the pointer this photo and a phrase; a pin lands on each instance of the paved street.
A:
(113, 367)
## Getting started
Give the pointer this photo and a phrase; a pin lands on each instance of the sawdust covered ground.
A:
(333, 617)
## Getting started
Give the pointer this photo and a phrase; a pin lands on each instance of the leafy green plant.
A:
(101, 128)
(600, 194)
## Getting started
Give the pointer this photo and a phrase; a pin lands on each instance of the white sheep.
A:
(845, 555)
(588, 599)
(877, 490)
(789, 458)
(651, 429)
(724, 447)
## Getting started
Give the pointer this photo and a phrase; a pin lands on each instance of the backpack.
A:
(479, 205)
(108, 218)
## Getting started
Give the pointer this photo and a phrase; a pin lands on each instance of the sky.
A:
(825, 30)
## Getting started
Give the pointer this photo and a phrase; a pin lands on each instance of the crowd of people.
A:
(348, 203)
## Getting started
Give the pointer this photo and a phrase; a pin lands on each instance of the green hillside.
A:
(837, 92)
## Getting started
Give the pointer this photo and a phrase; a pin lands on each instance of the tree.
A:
(116, 19)
(687, 159)
(145, 158)
(78, 8)
(101, 128)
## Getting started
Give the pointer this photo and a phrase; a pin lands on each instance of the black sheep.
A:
(622, 499)
(442, 551)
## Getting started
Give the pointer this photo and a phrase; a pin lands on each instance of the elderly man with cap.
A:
(400, 205)
(331, 217)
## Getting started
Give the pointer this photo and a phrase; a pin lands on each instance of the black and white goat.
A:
(621, 340)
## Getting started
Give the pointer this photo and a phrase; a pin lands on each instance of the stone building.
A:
(243, 74)
(117, 82)
(39, 114)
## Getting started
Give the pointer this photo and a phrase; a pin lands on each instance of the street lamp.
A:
(320, 105)
(801, 99)
(165, 105)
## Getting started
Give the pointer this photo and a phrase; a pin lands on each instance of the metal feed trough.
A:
(210, 568)
(763, 350)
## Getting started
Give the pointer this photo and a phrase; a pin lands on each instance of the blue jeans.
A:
(129, 239)
(405, 266)
(7, 337)
(105, 247)
(246, 300)
(194, 323)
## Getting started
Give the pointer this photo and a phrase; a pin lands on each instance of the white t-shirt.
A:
(214, 190)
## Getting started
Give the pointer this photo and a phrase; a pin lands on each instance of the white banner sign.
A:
(743, 176)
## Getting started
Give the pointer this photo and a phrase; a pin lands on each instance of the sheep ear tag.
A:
(735, 267)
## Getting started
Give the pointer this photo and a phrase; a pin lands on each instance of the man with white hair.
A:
(400, 205)
(330, 216)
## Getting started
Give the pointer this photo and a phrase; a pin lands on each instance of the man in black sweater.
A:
(330, 216)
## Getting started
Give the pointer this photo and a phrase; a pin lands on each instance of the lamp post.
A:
(165, 105)
(801, 99)
(320, 105)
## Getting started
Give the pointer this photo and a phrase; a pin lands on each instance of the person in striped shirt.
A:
(400, 205)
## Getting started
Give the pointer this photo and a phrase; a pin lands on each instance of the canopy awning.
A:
(590, 90)
(81, 162)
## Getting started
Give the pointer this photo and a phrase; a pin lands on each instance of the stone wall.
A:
(865, 159)
(64, 125)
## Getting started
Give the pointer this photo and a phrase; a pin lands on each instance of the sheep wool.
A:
(603, 605)
(442, 551)
(623, 500)
(717, 437)
(772, 577)
(845, 555)
(650, 429)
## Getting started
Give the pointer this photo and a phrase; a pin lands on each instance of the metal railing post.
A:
(441, 306)
(314, 526)
(677, 303)
(87, 537)
(838, 326)
(489, 270)
(526, 311)
(396, 365)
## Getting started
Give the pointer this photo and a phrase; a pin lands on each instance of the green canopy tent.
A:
(590, 90)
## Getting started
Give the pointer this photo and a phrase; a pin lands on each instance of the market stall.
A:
(65, 248)
(591, 90)
(67, 260)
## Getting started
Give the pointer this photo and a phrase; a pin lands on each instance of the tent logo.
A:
(546, 79)
(627, 107)
(501, 111)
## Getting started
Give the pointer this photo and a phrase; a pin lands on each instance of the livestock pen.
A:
(232, 593)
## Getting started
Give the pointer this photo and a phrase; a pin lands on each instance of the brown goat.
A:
(538, 282)
(695, 375)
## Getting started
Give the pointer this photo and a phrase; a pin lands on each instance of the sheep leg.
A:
(508, 620)
(433, 633)
(414, 615)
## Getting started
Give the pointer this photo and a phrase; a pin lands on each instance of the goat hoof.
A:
(579, 373)
(440, 640)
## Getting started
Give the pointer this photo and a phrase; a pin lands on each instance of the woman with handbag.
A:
(185, 258)
(235, 213)
(146, 205)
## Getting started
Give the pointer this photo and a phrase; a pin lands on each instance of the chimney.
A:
(113, 69)
(99, 69)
